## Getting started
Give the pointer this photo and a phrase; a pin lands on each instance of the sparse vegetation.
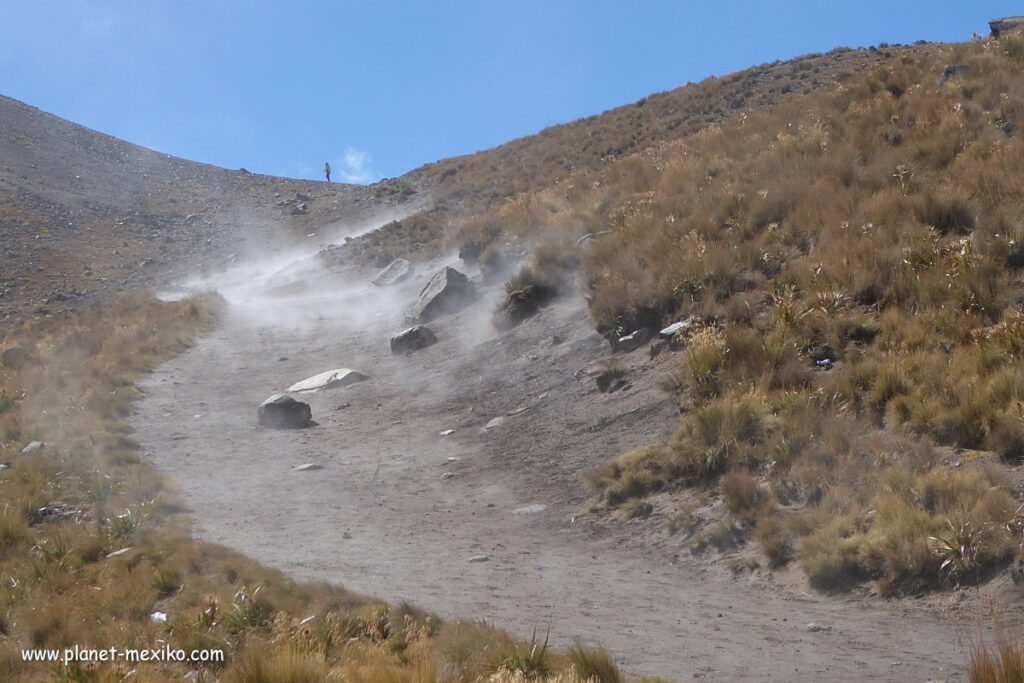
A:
(95, 549)
(859, 306)
(852, 387)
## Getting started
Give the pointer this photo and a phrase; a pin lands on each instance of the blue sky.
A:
(379, 88)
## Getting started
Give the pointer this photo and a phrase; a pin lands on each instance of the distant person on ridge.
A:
(327, 171)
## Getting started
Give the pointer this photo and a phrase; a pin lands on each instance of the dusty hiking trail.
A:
(384, 517)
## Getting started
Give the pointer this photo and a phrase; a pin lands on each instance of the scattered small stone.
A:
(447, 432)
(158, 617)
(815, 628)
(346, 535)
(447, 475)
(32, 447)
(343, 406)
(5, 466)
(479, 558)
(56, 510)
(308, 467)
(282, 358)
(493, 423)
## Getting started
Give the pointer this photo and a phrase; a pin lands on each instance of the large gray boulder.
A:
(396, 271)
(412, 339)
(1005, 25)
(446, 292)
(281, 411)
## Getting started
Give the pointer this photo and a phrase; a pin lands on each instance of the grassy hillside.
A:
(850, 262)
(465, 186)
(845, 243)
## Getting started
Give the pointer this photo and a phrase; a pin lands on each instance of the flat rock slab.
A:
(281, 411)
(395, 272)
(530, 509)
(331, 379)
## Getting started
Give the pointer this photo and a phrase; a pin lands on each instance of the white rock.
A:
(672, 329)
(330, 379)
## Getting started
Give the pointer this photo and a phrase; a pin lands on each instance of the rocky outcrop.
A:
(281, 411)
(998, 26)
(412, 339)
(396, 271)
(446, 292)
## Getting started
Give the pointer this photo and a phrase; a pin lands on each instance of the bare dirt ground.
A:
(402, 512)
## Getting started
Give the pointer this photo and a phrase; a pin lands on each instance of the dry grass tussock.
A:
(93, 541)
(853, 260)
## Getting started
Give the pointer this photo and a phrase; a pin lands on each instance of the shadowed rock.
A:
(446, 292)
(281, 411)
(13, 357)
(632, 342)
(396, 271)
(412, 339)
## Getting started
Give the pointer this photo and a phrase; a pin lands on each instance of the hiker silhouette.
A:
(327, 171)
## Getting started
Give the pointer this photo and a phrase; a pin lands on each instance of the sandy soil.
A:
(398, 509)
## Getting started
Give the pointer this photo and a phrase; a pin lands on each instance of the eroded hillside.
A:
(830, 231)
(846, 265)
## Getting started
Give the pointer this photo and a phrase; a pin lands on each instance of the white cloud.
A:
(355, 167)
